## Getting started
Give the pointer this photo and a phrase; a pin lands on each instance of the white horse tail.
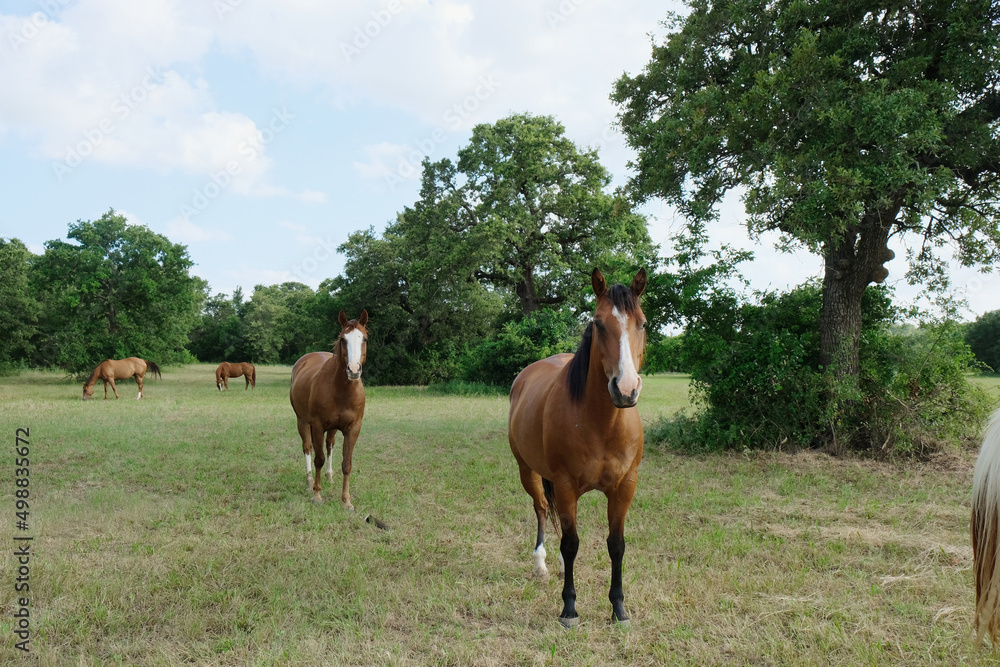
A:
(985, 528)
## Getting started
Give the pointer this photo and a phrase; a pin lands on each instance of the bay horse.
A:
(327, 396)
(985, 529)
(574, 427)
(119, 369)
(228, 370)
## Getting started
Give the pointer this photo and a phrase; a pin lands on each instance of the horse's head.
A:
(620, 336)
(353, 343)
(88, 391)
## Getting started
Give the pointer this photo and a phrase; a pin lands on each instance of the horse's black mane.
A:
(624, 300)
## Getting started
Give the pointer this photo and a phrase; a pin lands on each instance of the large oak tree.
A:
(843, 122)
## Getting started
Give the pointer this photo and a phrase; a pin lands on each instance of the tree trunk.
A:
(851, 265)
(526, 292)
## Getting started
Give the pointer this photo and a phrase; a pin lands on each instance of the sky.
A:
(260, 134)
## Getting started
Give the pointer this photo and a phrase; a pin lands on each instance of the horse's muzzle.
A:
(621, 400)
(353, 375)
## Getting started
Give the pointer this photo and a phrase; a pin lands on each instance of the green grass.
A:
(178, 529)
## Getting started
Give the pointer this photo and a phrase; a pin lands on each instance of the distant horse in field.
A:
(985, 529)
(574, 427)
(328, 396)
(228, 370)
(119, 369)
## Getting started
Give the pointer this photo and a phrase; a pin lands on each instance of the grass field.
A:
(178, 530)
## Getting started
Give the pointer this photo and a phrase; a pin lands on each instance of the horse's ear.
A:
(343, 319)
(599, 284)
(363, 318)
(639, 283)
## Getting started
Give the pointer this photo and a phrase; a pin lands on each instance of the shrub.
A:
(757, 383)
(541, 334)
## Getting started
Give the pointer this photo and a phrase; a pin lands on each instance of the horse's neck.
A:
(93, 377)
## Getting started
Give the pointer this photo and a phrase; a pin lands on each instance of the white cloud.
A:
(185, 231)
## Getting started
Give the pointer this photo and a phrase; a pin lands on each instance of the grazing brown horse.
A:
(228, 370)
(328, 396)
(574, 428)
(118, 369)
(985, 528)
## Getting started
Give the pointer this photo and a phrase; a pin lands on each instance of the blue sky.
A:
(260, 134)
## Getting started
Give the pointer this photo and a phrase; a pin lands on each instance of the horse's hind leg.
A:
(138, 379)
(304, 433)
(532, 483)
(329, 454)
(316, 433)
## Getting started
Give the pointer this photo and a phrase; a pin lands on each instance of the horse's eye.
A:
(599, 324)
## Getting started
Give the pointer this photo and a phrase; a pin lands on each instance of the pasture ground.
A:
(178, 529)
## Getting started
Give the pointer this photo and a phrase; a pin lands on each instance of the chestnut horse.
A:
(328, 396)
(228, 370)
(985, 529)
(118, 369)
(574, 427)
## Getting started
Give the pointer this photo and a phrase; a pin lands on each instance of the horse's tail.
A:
(153, 368)
(253, 376)
(550, 498)
(985, 528)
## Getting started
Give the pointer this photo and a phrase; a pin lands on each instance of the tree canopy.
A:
(116, 290)
(843, 122)
(514, 226)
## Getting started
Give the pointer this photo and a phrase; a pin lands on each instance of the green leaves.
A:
(120, 290)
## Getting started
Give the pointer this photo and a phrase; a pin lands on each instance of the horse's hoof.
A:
(317, 500)
(625, 624)
(569, 622)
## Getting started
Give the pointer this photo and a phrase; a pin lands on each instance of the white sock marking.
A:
(538, 556)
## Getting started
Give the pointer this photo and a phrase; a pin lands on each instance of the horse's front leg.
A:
(619, 500)
(566, 501)
(113, 388)
(350, 437)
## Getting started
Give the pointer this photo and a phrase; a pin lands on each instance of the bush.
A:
(519, 343)
(757, 383)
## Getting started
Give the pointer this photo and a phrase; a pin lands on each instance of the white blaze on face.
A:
(628, 376)
(353, 339)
